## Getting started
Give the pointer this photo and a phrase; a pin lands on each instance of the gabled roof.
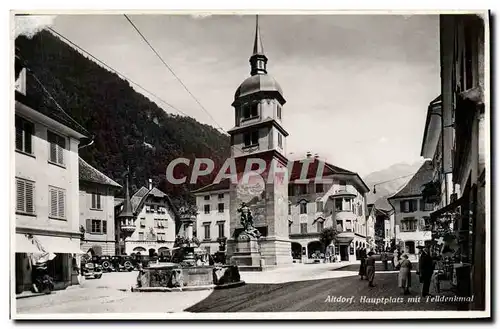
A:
(328, 170)
(222, 185)
(157, 193)
(415, 184)
(312, 169)
(139, 198)
(87, 173)
(383, 204)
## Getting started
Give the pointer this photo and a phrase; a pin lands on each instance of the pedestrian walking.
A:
(370, 269)
(383, 257)
(404, 277)
(362, 265)
(425, 269)
(395, 260)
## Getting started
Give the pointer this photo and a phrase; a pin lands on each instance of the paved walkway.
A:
(299, 272)
(300, 287)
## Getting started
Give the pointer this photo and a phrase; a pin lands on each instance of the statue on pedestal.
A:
(246, 220)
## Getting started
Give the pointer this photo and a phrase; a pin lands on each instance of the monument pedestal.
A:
(245, 253)
(276, 251)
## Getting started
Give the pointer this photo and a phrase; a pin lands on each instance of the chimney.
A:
(150, 184)
(308, 154)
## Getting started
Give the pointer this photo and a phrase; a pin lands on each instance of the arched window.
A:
(303, 207)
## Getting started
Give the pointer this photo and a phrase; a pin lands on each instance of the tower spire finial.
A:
(258, 49)
(258, 60)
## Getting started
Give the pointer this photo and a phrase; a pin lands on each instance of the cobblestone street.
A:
(299, 288)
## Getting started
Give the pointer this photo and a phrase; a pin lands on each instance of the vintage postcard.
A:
(250, 165)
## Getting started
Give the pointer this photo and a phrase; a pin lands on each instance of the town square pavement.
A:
(302, 287)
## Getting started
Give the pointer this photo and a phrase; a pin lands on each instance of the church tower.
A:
(257, 106)
(258, 134)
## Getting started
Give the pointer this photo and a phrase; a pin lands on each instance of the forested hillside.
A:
(128, 128)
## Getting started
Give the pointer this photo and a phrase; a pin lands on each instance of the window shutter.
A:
(88, 226)
(92, 197)
(53, 152)
(61, 205)
(20, 194)
(60, 151)
(402, 206)
(19, 136)
(422, 204)
(104, 227)
(53, 202)
(30, 189)
(98, 197)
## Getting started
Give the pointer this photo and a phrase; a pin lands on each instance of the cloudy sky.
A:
(357, 87)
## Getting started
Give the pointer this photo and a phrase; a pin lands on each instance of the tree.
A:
(327, 236)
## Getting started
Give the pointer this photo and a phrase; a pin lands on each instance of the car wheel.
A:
(106, 266)
(127, 265)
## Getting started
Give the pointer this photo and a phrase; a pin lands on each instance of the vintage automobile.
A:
(91, 270)
(122, 263)
(104, 261)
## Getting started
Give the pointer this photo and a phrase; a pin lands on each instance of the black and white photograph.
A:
(250, 165)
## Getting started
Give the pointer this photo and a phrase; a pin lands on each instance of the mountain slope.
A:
(394, 177)
(129, 129)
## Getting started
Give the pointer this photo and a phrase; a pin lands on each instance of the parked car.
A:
(104, 261)
(122, 263)
(92, 271)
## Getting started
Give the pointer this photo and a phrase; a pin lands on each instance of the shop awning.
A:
(61, 245)
(25, 245)
(451, 207)
(344, 239)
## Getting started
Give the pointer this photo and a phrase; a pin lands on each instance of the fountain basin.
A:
(174, 277)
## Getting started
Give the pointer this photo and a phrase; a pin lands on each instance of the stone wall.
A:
(176, 276)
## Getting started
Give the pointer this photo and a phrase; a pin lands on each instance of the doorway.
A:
(344, 253)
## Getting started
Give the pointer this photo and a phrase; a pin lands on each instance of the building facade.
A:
(455, 138)
(412, 213)
(212, 224)
(156, 222)
(46, 186)
(338, 201)
(97, 210)
(383, 227)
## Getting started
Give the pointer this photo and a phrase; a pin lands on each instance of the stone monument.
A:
(188, 215)
(258, 146)
(247, 254)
